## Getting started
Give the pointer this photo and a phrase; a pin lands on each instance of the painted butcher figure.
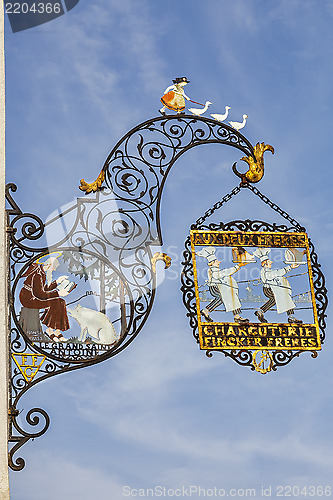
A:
(222, 286)
(276, 288)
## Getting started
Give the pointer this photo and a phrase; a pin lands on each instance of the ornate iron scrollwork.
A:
(103, 242)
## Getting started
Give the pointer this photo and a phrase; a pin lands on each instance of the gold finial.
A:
(256, 163)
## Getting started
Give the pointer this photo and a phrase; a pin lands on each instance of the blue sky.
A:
(161, 412)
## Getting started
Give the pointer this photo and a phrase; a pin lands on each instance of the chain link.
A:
(217, 205)
(274, 207)
(255, 191)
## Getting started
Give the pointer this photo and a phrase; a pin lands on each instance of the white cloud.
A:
(65, 479)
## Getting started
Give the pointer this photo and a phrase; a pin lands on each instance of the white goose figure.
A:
(239, 125)
(199, 112)
(221, 118)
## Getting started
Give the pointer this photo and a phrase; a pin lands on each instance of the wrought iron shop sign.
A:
(254, 290)
(83, 283)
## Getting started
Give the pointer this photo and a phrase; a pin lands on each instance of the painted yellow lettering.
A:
(198, 239)
(273, 328)
(221, 342)
(287, 342)
(292, 330)
(230, 331)
(263, 331)
(269, 240)
(34, 359)
(253, 330)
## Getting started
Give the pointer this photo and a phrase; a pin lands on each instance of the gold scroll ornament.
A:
(256, 163)
(160, 256)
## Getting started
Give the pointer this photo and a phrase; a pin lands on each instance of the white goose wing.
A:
(235, 125)
(239, 125)
(221, 118)
(195, 111)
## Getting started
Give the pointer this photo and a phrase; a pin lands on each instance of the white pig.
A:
(95, 324)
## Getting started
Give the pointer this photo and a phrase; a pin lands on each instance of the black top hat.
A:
(180, 80)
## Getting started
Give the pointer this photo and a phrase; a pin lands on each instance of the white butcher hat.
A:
(262, 253)
(209, 253)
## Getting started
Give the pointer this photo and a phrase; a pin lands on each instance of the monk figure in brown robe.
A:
(36, 293)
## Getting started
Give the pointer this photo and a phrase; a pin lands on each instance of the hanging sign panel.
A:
(254, 291)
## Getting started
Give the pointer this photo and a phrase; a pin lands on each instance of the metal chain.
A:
(255, 191)
(217, 205)
(274, 207)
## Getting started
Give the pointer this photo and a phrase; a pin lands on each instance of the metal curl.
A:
(19, 462)
(282, 358)
(15, 209)
(36, 420)
(25, 436)
(30, 230)
(320, 290)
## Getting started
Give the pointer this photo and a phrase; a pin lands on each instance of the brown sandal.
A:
(53, 337)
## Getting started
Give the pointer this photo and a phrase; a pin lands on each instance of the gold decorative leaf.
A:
(160, 256)
(256, 164)
(93, 186)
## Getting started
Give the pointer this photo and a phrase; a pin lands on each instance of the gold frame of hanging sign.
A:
(247, 252)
